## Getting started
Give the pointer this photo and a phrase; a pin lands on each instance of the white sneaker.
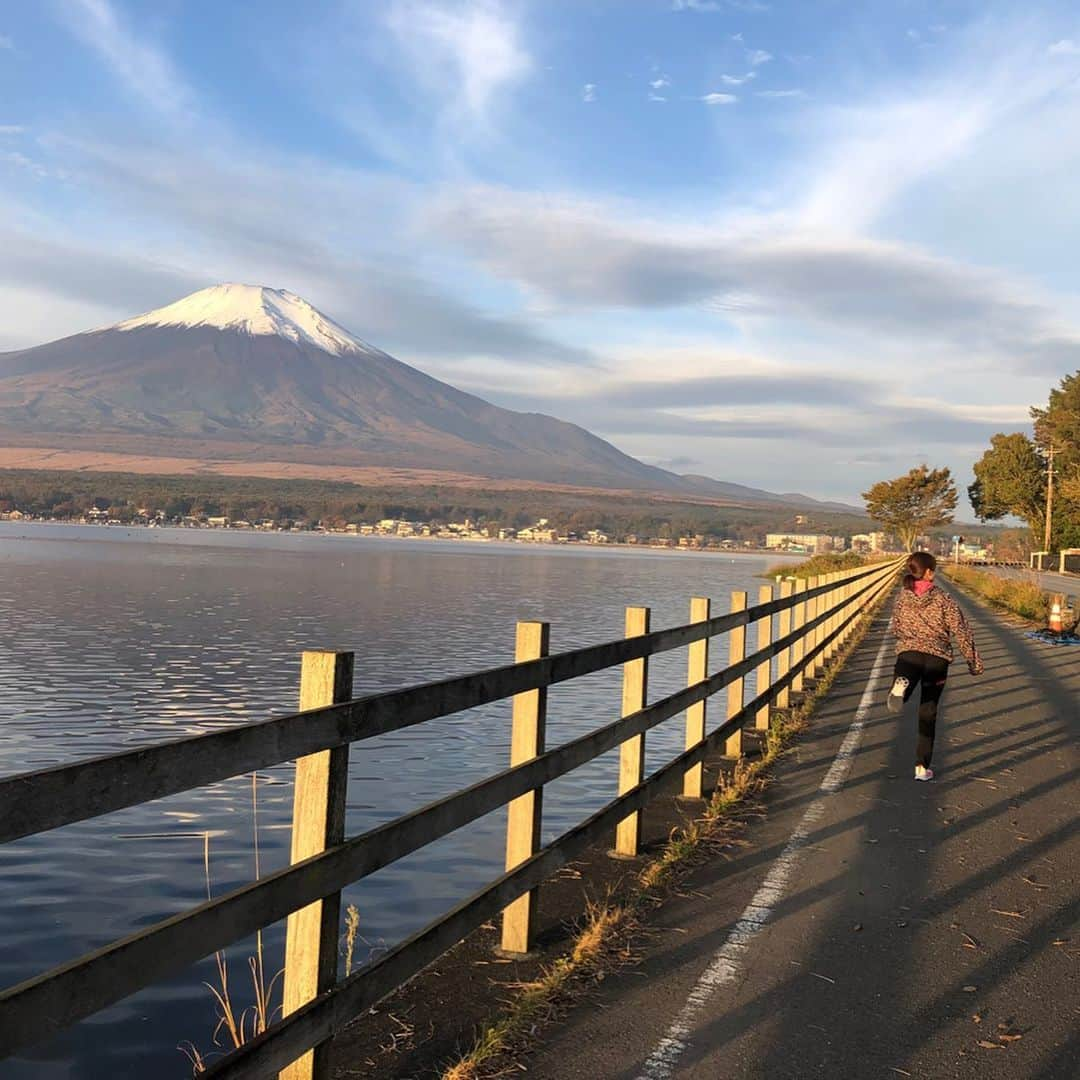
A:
(923, 773)
(895, 700)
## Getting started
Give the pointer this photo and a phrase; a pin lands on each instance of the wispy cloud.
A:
(660, 83)
(21, 161)
(1064, 47)
(11, 129)
(719, 99)
(582, 255)
(140, 65)
(588, 92)
(709, 6)
(473, 49)
(873, 150)
(780, 93)
(6, 42)
(757, 57)
(738, 80)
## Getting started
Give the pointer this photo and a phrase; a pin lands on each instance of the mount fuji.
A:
(253, 373)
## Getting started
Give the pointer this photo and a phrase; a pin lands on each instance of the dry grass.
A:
(604, 939)
(595, 949)
(1021, 597)
(821, 564)
(237, 1026)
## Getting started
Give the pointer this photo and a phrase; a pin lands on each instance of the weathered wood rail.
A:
(813, 618)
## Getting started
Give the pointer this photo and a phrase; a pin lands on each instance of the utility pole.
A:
(1049, 496)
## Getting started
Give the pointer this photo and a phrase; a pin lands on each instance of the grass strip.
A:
(602, 945)
(1018, 596)
(826, 563)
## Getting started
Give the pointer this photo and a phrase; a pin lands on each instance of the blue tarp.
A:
(1053, 639)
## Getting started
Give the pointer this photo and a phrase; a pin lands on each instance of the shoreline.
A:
(576, 545)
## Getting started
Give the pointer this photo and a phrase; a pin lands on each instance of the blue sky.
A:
(797, 245)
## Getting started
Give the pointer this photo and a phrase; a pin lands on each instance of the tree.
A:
(1010, 478)
(1058, 425)
(922, 499)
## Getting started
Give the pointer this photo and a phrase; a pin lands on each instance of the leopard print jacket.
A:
(926, 623)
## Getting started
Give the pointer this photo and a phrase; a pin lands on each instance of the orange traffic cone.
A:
(1055, 617)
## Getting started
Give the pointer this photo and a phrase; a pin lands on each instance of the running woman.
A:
(924, 620)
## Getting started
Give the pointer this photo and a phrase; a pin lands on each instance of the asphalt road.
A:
(873, 926)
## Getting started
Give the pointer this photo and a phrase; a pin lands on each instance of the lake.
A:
(112, 638)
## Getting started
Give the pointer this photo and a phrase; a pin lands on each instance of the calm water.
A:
(114, 638)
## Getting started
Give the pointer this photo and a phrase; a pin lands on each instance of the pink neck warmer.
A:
(922, 587)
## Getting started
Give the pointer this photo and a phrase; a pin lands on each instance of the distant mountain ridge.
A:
(253, 371)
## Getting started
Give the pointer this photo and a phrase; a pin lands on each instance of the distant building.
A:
(812, 542)
(540, 533)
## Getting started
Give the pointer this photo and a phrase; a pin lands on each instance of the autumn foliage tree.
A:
(921, 499)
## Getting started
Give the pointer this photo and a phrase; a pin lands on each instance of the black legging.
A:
(930, 672)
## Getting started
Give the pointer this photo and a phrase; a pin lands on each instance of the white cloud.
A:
(6, 42)
(21, 161)
(582, 256)
(654, 96)
(780, 93)
(588, 92)
(708, 6)
(876, 149)
(738, 80)
(11, 129)
(1064, 47)
(660, 83)
(475, 49)
(719, 99)
(144, 68)
(756, 57)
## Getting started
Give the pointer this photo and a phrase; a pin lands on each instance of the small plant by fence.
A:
(801, 628)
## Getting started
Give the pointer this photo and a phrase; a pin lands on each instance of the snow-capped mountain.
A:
(253, 309)
(249, 372)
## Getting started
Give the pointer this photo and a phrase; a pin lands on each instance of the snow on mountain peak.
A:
(253, 309)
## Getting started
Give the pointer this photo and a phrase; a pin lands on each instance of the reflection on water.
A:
(114, 638)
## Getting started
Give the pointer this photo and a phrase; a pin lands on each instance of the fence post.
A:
(798, 649)
(810, 666)
(764, 671)
(311, 934)
(845, 611)
(736, 653)
(697, 671)
(783, 658)
(819, 633)
(632, 751)
(523, 814)
(832, 599)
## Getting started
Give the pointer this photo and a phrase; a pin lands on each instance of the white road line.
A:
(731, 956)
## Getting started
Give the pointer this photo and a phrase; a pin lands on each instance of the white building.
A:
(815, 542)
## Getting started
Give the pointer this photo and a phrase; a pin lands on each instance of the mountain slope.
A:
(254, 371)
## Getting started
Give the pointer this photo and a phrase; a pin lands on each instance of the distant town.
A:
(542, 532)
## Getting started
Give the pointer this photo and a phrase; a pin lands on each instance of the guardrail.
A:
(813, 619)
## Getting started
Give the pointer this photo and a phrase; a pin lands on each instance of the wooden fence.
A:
(802, 628)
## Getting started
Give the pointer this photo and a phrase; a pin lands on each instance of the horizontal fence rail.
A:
(39, 801)
(35, 802)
